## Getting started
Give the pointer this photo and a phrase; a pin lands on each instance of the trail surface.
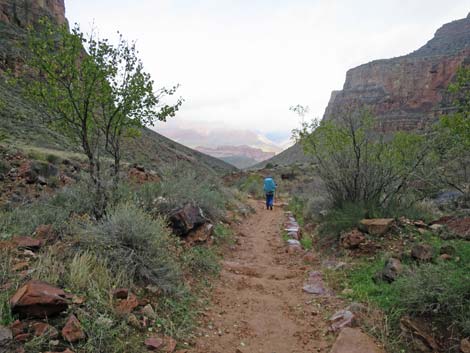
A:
(258, 304)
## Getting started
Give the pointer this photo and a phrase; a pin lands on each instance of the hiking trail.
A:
(258, 304)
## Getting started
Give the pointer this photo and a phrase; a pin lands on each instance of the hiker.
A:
(269, 189)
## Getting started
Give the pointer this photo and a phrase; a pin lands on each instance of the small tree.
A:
(452, 143)
(357, 161)
(94, 92)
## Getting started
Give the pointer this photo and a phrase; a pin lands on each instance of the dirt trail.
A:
(258, 304)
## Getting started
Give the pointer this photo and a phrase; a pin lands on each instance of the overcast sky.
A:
(242, 63)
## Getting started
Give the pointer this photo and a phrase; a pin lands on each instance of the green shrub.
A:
(179, 187)
(4, 166)
(52, 158)
(307, 242)
(438, 291)
(53, 210)
(134, 242)
(53, 182)
(342, 218)
(253, 185)
(223, 234)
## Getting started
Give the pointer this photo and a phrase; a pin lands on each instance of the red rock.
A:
(353, 340)
(17, 327)
(445, 257)
(154, 343)
(44, 231)
(170, 344)
(38, 299)
(121, 293)
(128, 305)
(27, 243)
(352, 239)
(23, 337)
(72, 331)
(44, 329)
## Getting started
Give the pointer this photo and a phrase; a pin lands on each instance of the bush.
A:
(342, 218)
(253, 185)
(54, 210)
(179, 187)
(223, 234)
(52, 158)
(440, 292)
(134, 242)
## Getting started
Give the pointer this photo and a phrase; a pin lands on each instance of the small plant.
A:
(223, 234)
(307, 242)
(52, 158)
(201, 261)
(53, 182)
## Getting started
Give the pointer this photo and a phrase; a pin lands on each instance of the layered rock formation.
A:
(408, 92)
(15, 17)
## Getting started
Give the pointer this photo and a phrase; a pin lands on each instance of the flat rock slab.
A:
(376, 226)
(353, 340)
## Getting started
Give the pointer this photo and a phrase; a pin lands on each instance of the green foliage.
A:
(53, 158)
(357, 162)
(180, 186)
(223, 234)
(307, 242)
(96, 93)
(296, 206)
(54, 210)
(201, 261)
(439, 291)
(253, 185)
(4, 167)
(342, 218)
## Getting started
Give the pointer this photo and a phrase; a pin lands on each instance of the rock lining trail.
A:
(258, 304)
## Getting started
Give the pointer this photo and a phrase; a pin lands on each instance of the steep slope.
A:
(408, 92)
(21, 122)
(292, 155)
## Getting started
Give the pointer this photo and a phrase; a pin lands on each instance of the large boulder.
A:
(352, 239)
(38, 299)
(185, 219)
(376, 226)
(422, 252)
(353, 340)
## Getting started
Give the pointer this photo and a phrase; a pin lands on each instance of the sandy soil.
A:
(258, 304)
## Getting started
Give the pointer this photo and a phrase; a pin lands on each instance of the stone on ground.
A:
(186, 218)
(353, 340)
(376, 226)
(352, 239)
(72, 331)
(38, 299)
(422, 252)
(392, 270)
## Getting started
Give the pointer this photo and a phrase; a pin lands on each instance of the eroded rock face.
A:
(408, 92)
(25, 12)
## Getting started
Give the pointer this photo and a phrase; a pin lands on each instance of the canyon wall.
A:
(408, 92)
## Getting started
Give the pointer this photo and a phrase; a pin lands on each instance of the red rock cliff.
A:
(24, 12)
(408, 92)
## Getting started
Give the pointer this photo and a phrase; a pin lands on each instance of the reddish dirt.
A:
(258, 304)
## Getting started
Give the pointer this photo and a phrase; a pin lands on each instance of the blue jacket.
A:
(269, 185)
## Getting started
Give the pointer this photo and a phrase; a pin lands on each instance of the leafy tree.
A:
(452, 142)
(357, 161)
(96, 93)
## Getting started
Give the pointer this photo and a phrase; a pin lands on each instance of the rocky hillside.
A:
(292, 155)
(239, 156)
(21, 122)
(408, 92)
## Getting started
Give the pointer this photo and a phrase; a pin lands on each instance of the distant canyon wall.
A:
(408, 92)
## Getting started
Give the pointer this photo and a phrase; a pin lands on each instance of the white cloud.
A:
(243, 63)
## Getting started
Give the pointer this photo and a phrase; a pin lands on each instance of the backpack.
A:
(269, 185)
